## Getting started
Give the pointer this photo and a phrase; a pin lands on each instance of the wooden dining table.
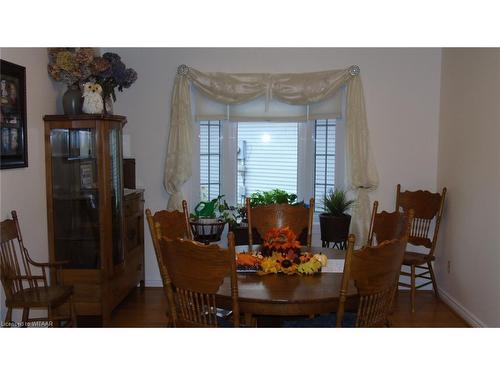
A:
(288, 295)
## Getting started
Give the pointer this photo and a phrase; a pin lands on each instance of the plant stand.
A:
(207, 231)
(341, 245)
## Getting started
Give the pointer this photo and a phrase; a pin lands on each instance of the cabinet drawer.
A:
(133, 232)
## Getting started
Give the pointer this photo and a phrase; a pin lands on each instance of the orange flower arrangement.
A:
(280, 239)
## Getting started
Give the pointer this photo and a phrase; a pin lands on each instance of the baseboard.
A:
(460, 310)
(154, 283)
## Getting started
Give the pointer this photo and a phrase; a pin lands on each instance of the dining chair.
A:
(385, 226)
(374, 270)
(298, 218)
(26, 290)
(195, 273)
(375, 273)
(171, 224)
(428, 210)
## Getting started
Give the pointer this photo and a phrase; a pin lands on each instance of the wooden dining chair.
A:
(386, 226)
(428, 210)
(374, 270)
(375, 273)
(298, 218)
(170, 224)
(26, 290)
(195, 273)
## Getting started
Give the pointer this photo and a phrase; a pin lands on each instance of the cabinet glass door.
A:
(116, 194)
(75, 197)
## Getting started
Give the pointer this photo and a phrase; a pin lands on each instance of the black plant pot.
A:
(334, 229)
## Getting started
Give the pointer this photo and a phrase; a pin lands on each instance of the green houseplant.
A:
(275, 196)
(335, 221)
(209, 219)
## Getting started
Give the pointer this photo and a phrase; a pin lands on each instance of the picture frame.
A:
(13, 133)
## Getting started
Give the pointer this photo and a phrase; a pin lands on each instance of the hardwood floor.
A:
(147, 309)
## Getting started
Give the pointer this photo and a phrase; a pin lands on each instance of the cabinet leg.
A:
(142, 285)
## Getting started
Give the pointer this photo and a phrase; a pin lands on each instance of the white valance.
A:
(242, 92)
(264, 109)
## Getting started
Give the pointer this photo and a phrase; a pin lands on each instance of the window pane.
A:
(214, 169)
(330, 170)
(203, 140)
(320, 140)
(214, 191)
(204, 169)
(324, 169)
(268, 157)
(209, 159)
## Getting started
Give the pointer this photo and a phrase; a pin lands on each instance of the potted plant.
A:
(334, 221)
(209, 219)
(275, 196)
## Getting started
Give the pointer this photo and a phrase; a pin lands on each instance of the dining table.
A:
(289, 295)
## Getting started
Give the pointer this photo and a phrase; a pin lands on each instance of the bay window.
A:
(237, 159)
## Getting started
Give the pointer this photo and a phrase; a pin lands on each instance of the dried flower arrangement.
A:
(79, 65)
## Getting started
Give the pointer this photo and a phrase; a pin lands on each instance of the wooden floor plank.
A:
(147, 309)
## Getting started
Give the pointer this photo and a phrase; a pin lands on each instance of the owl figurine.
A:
(92, 98)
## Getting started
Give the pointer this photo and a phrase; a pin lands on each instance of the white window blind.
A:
(267, 157)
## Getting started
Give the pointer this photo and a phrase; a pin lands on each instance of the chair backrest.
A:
(428, 208)
(386, 226)
(170, 224)
(298, 218)
(375, 272)
(14, 265)
(196, 272)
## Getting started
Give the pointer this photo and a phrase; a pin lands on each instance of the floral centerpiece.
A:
(282, 240)
(281, 253)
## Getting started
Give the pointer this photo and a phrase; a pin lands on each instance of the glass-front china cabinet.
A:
(95, 226)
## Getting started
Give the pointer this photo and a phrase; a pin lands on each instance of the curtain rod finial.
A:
(354, 70)
(183, 70)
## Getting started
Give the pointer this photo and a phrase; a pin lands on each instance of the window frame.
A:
(306, 155)
(209, 124)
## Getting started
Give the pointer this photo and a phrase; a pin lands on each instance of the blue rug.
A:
(322, 321)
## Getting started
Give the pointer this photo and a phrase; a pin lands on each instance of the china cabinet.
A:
(94, 224)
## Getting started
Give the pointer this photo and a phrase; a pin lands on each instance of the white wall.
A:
(23, 189)
(402, 88)
(469, 165)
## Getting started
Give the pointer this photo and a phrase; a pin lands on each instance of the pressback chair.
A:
(375, 272)
(386, 226)
(26, 290)
(195, 273)
(428, 208)
(298, 218)
(170, 224)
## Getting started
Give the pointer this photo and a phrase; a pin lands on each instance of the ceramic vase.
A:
(72, 100)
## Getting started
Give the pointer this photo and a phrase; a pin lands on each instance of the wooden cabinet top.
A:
(54, 118)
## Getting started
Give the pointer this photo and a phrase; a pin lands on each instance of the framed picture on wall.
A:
(13, 136)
